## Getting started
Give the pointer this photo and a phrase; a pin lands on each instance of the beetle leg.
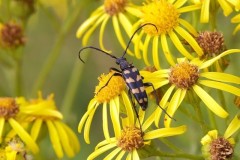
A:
(116, 70)
(134, 107)
(157, 99)
(115, 74)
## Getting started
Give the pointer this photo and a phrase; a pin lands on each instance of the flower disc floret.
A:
(161, 13)
(8, 107)
(11, 35)
(220, 148)
(212, 43)
(113, 7)
(109, 87)
(131, 139)
(184, 75)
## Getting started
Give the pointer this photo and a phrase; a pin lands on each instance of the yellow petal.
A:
(211, 135)
(236, 29)
(135, 155)
(115, 118)
(106, 142)
(72, 136)
(65, 140)
(223, 77)
(105, 122)
(179, 4)
(189, 8)
(120, 155)
(149, 120)
(232, 127)
(88, 125)
(211, 61)
(118, 33)
(221, 86)
(173, 105)
(166, 50)
(2, 122)
(134, 11)
(126, 24)
(101, 33)
(113, 153)
(101, 150)
(155, 53)
(87, 24)
(164, 132)
(236, 19)
(188, 26)
(210, 102)
(25, 137)
(166, 96)
(227, 8)
(205, 11)
(145, 50)
(91, 106)
(36, 127)
(55, 139)
(129, 109)
(92, 29)
(189, 38)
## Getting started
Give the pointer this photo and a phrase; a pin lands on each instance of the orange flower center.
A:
(131, 139)
(113, 7)
(184, 75)
(8, 107)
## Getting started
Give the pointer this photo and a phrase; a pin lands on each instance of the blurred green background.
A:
(44, 32)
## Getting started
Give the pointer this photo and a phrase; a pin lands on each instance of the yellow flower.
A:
(39, 111)
(220, 147)
(236, 19)
(185, 77)
(207, 5)
(113, 95)
(129, 138)
(119, 11)
(165, 15)
(9, 111)
(16, 150)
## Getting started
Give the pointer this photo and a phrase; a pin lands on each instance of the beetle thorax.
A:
(123, 63)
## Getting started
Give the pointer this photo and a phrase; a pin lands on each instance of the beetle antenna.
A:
(130, 40)
(79, 56)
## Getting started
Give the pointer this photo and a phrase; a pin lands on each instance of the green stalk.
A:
(54, 54)
(72, 89)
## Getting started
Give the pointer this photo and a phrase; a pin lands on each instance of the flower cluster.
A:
(186, 72)
(26, 119)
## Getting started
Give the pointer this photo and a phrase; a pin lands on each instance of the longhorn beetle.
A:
(131, 76)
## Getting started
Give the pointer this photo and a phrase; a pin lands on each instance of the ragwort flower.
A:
(118, 11)
(44, 111)
(9, 113)
(16, 150)
(185, 77)
(165, 15)
(129, 138)
(217, 147)
(226, 5)
(110, 97)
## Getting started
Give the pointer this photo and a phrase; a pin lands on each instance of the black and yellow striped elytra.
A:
(131, 76)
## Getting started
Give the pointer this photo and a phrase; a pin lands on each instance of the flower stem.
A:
(54, 54)
(71, 89)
